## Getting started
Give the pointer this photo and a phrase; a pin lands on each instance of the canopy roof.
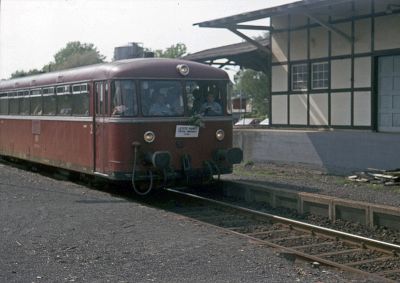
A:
(305, 5)
(243, 54)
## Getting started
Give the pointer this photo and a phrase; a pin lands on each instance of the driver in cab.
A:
(211, 107)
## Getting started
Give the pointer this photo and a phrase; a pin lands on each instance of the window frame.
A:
(149, 98)
(64, 90)
(324, 71)
(222, 99)
(12, 102)
(134, 101)
(24, 102)
(81, 90)
(4, 97)
(33, 93)
(48, 92)
(293, 82)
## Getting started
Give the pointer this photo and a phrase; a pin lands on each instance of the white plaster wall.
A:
(362, 108)
(279, 43)
(279, 78)
(362, 36)
(340, 45)
(341, 109)
(319, 109)
(298, 109)
(318, 43)
(297, 20)
(362, 72)
(279, 109)
(387, 32)
(298, 45)
(280, 22)
(341, 73)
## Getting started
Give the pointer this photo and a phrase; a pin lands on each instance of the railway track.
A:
(376, 260)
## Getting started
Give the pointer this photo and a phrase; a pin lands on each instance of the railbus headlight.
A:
(183, 69)
(149, 136)
(220, 134)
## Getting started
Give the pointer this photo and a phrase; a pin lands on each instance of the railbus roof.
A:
(148, 68)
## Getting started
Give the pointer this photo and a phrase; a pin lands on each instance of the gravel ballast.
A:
(58, 231)
(307, 178)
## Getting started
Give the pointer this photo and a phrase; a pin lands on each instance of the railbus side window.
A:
(36, 102)
(80, 100)
(49, 101)
(24, 104)
(14, 103)
(206, 97)
(99, 93)
(3, 104)
(123, 98)
(64, 100)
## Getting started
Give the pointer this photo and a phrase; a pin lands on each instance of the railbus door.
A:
(100, 129)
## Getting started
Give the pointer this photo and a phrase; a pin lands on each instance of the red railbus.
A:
(150, 121)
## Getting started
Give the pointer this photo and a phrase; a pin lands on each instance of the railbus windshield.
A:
(169, 98)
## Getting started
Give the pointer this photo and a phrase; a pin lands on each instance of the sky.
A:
(32, 31)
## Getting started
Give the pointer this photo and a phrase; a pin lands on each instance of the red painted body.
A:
(100, 143)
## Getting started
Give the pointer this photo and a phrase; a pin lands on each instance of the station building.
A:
(333, 64)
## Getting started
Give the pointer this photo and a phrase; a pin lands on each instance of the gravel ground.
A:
(57, 231)
(306, 178)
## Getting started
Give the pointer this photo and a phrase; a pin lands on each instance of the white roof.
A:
(245, 122)
(264, 122)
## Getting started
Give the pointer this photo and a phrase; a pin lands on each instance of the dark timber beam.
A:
(228, 62)
(252, 27)
(249, 27)
(251, 41)
(328, 26)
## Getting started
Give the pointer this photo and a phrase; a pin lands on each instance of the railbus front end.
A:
(177, 131)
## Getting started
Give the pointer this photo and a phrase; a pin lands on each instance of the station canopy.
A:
(312, 9)
(242, 54)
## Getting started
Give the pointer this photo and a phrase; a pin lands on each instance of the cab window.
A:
(161, 98)
(123, 98)
(205, 98)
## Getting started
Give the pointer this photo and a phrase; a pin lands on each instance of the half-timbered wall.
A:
(321, 78)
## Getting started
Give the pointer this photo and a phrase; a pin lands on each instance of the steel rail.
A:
(385, 247)
(310, 227)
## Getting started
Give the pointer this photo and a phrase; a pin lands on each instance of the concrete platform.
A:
(57, 231)
(338, 151)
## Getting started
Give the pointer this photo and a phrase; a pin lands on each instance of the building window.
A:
(299, 77)
(320, 75)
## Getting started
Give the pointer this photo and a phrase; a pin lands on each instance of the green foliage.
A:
(197, 120)
(76, 54)
(174, 51)
(22, 73)
(254, 85)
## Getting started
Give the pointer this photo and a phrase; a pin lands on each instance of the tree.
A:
(22, 73)
(255, 85)
(75, 54)
(174, 51)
